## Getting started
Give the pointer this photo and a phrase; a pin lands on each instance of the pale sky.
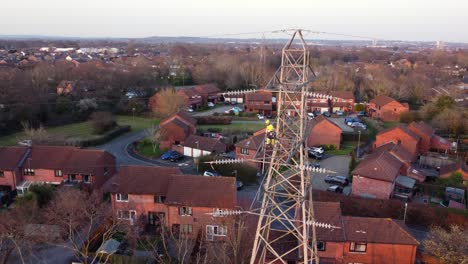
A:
(427, 20)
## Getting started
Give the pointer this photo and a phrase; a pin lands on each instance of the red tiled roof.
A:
(204, 143)
(330, 213)
(10, 157)
(69, 159)
(207, 88)
(252, 142)
(380, 166)
(141, 180)
(187, 117)
(319, 119)
(396, 150)
(422, 127)
(438, 142)
(377, 230)
(402, 128)
(200, 191)
(382, 100)
(447, 169)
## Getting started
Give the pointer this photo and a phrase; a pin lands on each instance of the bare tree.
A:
(84, 219)
(450, 246)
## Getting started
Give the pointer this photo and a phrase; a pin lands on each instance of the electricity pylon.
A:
(284, 230)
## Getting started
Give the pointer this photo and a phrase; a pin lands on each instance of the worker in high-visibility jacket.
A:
(270, 133)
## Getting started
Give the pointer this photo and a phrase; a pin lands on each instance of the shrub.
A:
(43, 194)
(214, 120)
(359, 107)
(408, 117)
(102, 122)
(329, 147)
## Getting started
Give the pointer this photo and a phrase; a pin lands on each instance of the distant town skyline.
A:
(415, 20)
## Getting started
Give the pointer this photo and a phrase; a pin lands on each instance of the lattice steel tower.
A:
(285, 230)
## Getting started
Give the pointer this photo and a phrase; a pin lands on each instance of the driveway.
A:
(220, 109)
(338, 164)
(339, 121)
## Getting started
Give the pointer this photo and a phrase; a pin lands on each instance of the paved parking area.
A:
(339, 164)
(340, 122)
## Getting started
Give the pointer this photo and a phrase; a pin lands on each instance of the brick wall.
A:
(381, 253)
(324, 133)
(376, 188)
(8, 179)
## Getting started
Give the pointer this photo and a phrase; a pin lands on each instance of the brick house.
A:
(399, 135)
(429, 140)
(176, 128)
(196, 146)
(192, 97)
(208, 92)
(324, 132)
(11, 159)
(152, 196)
(64, 165)
(375, 176)
(259, 102)
(357, 239)
(343, 101)
(317, 105)
(459, 166)
(250, 147)
(398, 152)
(386, 108)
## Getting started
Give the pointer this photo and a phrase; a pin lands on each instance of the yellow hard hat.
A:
(267, 121)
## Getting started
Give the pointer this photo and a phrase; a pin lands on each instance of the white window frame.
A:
(118, 197)
(120, 212)
(215, 231)
(83, 178)
(352, 247)
(188, 211)
(58, 173)
(244, 151)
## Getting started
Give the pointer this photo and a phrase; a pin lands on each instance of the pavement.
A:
(339, 164)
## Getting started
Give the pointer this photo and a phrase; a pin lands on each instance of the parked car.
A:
(260, 116)
(314, 154)
(358, 125)
(340, 180)
(25, 142)
(211, 104)
(335, 189)
(327, 114)
(349, 120)
(190, 110)
(361, 114)
(233, 102)
(239, 185)
(5, 199)
(176, 157)
(167, 155)
(211, 173)
(320, 150)
(339, 113)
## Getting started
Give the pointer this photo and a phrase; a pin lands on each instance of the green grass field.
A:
(244, 127)
(146, 149)
(83, 130)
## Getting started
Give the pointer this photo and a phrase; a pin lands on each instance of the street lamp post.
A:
(198, 158)
(404, 216)
(133, 115)
(359, 143)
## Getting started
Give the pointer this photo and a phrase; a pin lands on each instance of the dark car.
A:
(349, 120)
(315, 154)
(167, 155)
(5, 199)
(335, 188)
(176, 156)
(340, 180)
(361, 114)
(327, 114)
(239, 185)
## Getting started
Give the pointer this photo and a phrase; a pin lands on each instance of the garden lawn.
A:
(243, 127)
(145, 148)
(344, 150)
(82, 130)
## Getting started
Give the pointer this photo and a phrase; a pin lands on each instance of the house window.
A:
(186, 229)
(244, 151)
(2, 174)
(321, 246)
(266, 102)
(28, 172)
(85, 178)
(123, 214)
(185, 211)
(215, 230)
(58, 173)
(357, 247)
(121, 197)
(71, 177)
(159, 199)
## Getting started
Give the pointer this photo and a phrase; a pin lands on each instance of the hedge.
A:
(104, 138)
(213, 120)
